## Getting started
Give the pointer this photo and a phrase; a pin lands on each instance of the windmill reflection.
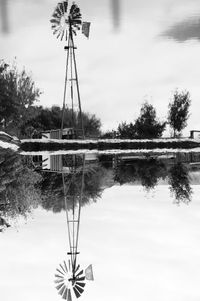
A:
(70, 278)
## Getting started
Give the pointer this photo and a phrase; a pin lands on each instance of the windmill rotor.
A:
(68, 280)
(65, 21)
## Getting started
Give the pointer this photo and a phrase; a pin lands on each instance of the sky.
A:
(143, 51)
(142, 247)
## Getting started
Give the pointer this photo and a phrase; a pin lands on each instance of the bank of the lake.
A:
(109, 144)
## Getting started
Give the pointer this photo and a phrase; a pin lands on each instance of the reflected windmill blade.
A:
(58, 276)
(56, 16)
(58, 12)
(76, 292)
(59, 35)
(65, 266)
(79, 289)
(69, 262)
(65, 5)
(80, 273)
(60, 272)
(82, 284)
(58, 287)
(54, 26)
(62, 35)
(61, 8)
(55, 21)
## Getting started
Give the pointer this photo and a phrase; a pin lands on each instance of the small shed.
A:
(194, 134)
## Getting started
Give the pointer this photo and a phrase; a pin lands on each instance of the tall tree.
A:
(147, 126)
(179, 111)
(17, 95)
(179, 183)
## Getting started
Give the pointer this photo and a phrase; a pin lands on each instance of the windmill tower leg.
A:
(71, 67)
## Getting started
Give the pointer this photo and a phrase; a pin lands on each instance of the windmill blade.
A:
(76, 21)
(62, 290)
(82, 284)
(58, 281)
(55, 21)
(59, 34)
(54, 26)
(79, 289)
(56, 15)
(58, 276)
(69, 262)
(58, 287)
(62, 35)
(62, 268)
(65, 266)
(60, 272)
(76, 292)
(80, 273)
(77, 268)
(80, 279)
(60, 7)
(69, 296)
(58, 12)
(64, 296)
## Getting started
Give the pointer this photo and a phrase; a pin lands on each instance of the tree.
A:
(17, 95)
(126, 131)
(179, 111)
(147, 126)
(19, 192)
(50, 118)
(179, 183)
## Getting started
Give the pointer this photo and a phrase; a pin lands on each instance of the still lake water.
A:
(139, 225)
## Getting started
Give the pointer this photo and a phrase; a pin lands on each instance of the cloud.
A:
(183, 31)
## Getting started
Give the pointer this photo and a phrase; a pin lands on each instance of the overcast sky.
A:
(153, 51)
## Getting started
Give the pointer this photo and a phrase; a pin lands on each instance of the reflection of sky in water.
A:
(141, 248)
(117, 68)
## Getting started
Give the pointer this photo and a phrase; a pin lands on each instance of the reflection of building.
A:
(58, 163)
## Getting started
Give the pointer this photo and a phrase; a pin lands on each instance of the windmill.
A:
(70, 278)
(66, 21)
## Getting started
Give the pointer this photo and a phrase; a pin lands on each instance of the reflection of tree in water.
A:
(52, 187)
(146, 171)
(179, 183)
(18, 186)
